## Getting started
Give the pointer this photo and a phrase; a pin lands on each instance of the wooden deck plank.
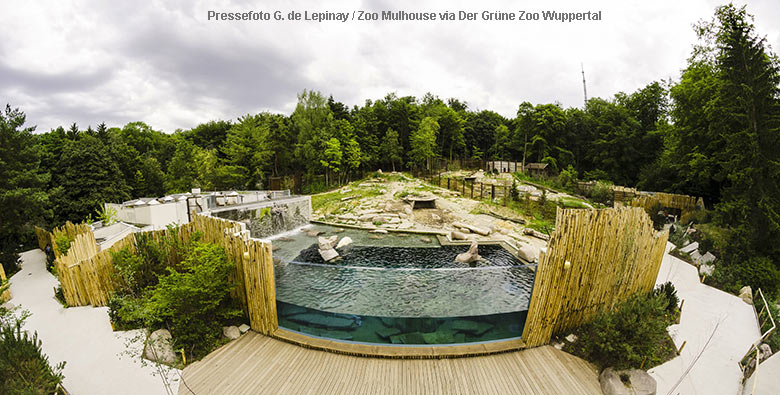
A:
(256, 364)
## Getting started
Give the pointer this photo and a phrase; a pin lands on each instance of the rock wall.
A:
(268, 218)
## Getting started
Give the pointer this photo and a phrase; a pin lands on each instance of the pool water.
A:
(401, 292)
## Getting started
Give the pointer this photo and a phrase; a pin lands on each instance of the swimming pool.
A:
(397, 290)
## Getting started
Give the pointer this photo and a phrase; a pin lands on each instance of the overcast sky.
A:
(165, 63)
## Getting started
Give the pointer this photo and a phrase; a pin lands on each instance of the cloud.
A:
(164, 63)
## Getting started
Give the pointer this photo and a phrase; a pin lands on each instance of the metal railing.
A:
(744, 362)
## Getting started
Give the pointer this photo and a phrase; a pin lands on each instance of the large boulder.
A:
(455, 235)
(243, 328)
(345, 241)
(766, 351)
(638, 382)
(690, 247)
(528, 253)
(470, 256)
(706, 270)
(326, 243)
(159, 348)
(231, 332)
(328, 254)
(746, 294)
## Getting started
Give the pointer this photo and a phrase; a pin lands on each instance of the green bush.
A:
(757, 272)
(24, 369)
(602, 192)
(669, 294)
(633, 334)
(126, 312)
(63, 243)
(568, 178)
(774, 338)
(193, 302)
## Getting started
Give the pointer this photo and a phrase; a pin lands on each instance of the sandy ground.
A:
(718, 329)
(97, 360)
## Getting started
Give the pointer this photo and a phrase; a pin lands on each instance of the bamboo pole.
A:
(595, 260)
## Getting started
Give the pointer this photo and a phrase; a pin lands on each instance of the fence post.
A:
(472, 189)
(492, 192)
(448, 183)
(463, 188)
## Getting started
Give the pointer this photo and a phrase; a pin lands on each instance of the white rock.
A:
(408, 210)
(231, 332)
(746, 294)
(690, 247)
(705, 269)
(571, 338)
(766, 351)
(640, 382)
(381, 231)
(344, 242)
(477, 230)
(435, 217)
(158, 348)
(528, 253)
(455, 235)
(244, 328)
(326, 243)
(708, 257)
(329, 254)
(695, 256)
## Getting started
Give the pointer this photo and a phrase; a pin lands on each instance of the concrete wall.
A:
(267, 218)
(158, 216)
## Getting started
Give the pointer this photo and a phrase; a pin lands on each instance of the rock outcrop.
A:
(231, 332)
(638, 382)
(159, 348)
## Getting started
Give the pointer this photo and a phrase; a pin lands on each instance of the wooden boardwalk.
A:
(257, 364)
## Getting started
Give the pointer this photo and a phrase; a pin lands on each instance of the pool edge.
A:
(407, 352)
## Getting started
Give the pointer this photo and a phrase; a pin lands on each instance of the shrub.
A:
(194, 301)
(131, 273)
(774, 338)
(24, 369)
(568, 178)
(126, 312)
(757, 272)
(514, 193)
(669, 294)
(601, 192)
(633, 334)
(63, 243)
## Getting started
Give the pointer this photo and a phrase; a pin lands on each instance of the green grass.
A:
(550, 183)
(328, 203)
(572, 202)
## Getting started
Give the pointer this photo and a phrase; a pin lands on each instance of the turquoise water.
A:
(396, 293)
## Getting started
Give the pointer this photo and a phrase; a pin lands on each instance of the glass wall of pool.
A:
(399, 289)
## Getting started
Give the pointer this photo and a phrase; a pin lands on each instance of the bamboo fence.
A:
(44, 237)
(88, 277)
(686, 204)
(70, 230)
(5, 295)
(595, 260)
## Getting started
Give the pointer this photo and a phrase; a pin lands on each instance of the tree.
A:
(22, 186)
(332, 158)
(312, 118)
(501, 139)
(423, 142)
(390, 148)
(352, 156)
(87, 178)
(182, 170)
(749, 122)
(246, 151)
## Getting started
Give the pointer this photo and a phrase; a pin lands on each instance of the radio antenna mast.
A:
(584, 88)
